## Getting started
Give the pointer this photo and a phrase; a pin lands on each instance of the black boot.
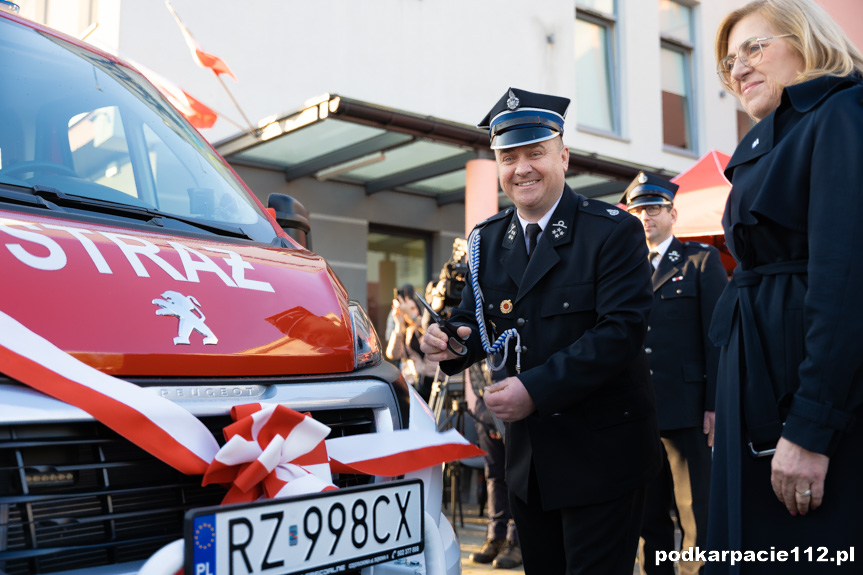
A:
(509, 556)
(488, 551)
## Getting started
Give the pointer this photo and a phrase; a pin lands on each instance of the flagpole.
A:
(231, 96)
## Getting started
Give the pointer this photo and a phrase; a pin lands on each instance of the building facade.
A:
(364, 111)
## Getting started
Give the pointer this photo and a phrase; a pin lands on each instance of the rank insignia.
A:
(612, 211)
(557, 233)
(506, 306)
(673, 256)
(510, 233)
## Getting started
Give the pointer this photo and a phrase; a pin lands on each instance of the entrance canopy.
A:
(378, 148)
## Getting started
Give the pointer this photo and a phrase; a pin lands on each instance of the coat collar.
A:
(558, 232)
(669, 265)
(806, 95)
(802, 97)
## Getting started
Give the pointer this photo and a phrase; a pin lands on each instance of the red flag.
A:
(204, 59)
(198, 113)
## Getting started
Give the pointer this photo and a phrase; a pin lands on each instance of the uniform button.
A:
(520, 322)
(651, 372)
(566, 305)
(491, 307)
(585, 203)
(523, 348)
(648, 350)
(680, 291)
(555, 415)
(648, 328)
(626, 414)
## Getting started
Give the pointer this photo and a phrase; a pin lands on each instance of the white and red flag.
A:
(204, 59)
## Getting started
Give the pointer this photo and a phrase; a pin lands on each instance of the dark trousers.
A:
(500, 523)
(599, 539)
(684, 485)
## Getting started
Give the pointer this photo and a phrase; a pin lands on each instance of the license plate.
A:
(330, 532)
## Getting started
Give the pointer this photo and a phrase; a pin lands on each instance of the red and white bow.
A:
(271, 451)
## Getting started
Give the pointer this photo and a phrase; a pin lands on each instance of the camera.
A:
(446, 293)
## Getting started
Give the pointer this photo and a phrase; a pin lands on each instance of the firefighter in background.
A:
(687, 280)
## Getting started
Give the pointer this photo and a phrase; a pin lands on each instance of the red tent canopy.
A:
(700, 202)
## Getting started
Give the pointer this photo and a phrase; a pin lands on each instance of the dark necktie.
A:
(532, 232)
(650, 258)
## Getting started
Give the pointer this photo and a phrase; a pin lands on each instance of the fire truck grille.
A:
(77, 495)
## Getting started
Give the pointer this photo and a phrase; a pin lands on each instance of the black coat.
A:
(789, 321)
(581, 308)
(683, 361)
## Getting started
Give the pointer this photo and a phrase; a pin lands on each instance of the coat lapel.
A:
(558, 232)
(514, 255)
(668, 266)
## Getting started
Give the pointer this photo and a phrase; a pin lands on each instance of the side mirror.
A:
(293, 217)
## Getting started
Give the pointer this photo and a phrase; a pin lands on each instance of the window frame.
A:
(609, 23)
(685, 48)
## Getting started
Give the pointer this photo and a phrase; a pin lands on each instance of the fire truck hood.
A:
(139, 303)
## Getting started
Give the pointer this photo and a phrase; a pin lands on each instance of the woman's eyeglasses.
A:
(749, 53)
(652, 210)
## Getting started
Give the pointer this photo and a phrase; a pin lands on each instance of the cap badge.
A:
(642, 179)
(506, 306)
(673, 256)
(612, 211)
(512, 102)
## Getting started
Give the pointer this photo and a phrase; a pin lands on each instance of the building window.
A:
(394, 258)
(596, 80)
(74, 17)
(676, 43)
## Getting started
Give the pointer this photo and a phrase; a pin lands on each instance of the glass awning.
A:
(378, 148)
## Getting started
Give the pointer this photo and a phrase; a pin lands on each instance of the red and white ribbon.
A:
(271, 450)
(155, 424)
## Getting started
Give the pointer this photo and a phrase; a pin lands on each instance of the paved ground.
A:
(471, 537)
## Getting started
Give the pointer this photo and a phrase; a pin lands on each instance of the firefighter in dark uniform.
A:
(687, 282)
(567, 311)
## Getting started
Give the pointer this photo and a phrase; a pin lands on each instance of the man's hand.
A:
(798, 476)
(709, 426)
(508, 399)
(434, 343)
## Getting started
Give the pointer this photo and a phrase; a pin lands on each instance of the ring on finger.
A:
(804, 494)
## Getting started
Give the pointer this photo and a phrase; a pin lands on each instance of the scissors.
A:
(455, 343)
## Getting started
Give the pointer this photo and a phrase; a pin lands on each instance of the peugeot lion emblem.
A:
(187, 309)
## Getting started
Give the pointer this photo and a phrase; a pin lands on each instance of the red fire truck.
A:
(128, 243)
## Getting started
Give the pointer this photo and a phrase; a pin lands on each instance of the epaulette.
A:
(506, 212)
(600, 208)
(697, 245)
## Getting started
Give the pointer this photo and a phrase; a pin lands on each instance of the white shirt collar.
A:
(663, 247)
(543, 221)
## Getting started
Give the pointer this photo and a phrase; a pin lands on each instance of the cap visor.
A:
(522, 137)
(648, 201)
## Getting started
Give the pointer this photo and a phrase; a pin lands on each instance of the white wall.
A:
(446, 58)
